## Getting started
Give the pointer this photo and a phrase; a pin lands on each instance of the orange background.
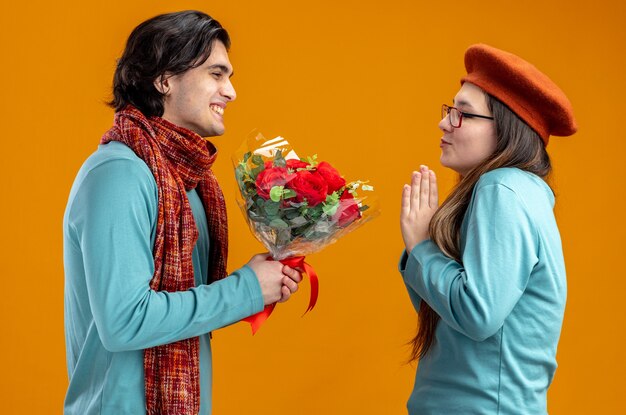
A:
(360, 83)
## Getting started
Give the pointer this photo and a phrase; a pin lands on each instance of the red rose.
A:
(332, 177)
(348, 210)
(296, 164)
(309, 186)
(291, 164)
(268, 178)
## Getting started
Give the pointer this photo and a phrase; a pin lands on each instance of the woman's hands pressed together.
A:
(420, 200)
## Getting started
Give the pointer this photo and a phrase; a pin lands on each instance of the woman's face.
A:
(467, 146)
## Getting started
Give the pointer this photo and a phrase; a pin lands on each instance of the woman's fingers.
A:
(433, 201)
(419, 202)
(424, 187)
(405, 207)
(415, 190)
(422, 193)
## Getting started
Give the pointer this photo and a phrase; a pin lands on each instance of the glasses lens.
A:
(444, 111)
(455, 117)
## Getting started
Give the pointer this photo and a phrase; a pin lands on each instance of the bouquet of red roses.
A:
(296, 206)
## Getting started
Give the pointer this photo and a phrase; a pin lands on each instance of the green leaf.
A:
(257, 160)
(239, 174)
(271, 208)
(363, 208)
(247, 156)
(276, 193)
(279, 224)
(255, 171)
(330, 209)
(288, 193)
(279, 160)
(312, 161)
(332, 198)
(291, 213)
(298, 221)
(316, 212)
(298, 231)
(283, 237)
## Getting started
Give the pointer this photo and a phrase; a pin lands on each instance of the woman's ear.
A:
(162, 83)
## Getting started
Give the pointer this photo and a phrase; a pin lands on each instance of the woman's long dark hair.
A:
(517, 145)
(169, 43)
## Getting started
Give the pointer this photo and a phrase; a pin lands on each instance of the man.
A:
(145, 239)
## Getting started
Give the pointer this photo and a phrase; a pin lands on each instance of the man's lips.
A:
(444, 143)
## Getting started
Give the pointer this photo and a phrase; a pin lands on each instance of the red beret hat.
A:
(523, 88)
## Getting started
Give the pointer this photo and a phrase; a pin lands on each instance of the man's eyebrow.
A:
(222, 68)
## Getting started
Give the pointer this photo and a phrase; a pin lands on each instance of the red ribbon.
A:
(256, 320)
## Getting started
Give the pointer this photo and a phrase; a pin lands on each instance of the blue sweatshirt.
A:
(111, 314)
(501, 309)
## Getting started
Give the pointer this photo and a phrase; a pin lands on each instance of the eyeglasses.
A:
(456, 115)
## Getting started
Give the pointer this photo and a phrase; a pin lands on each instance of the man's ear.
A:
(162, 83)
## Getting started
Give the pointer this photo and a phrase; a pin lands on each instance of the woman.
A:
(485, 270)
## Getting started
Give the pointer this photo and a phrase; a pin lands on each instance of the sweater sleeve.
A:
(499, 253)
(415, 298)
(113, 216)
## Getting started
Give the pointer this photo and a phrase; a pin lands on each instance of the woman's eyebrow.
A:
(462, 103)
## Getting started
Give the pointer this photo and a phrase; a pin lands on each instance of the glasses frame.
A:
(446, 109)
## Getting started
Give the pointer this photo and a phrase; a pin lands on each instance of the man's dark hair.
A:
(169, 43)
